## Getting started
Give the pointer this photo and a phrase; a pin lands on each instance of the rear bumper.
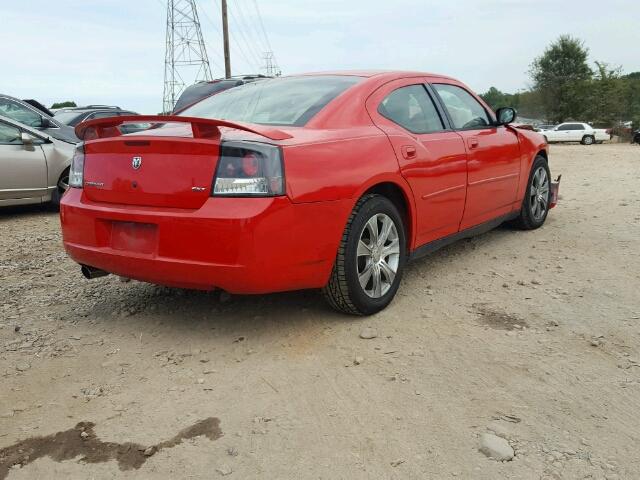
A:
(242, 245)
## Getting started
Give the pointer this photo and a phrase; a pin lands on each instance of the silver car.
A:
(34, 167)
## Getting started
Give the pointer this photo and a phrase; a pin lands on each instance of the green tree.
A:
(68, 103)
(560, 75)
(496, 99)
(605, 98)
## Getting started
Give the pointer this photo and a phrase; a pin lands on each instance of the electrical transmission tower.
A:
(270, 66)
(185, 51)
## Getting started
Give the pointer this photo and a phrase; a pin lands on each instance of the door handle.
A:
(408, 151)
(472, 142)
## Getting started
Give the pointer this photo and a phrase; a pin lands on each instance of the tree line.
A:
(565, 87)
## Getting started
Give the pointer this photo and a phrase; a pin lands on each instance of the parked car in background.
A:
(198, 91)
(72, 116)
(329, 181)
(544, 126)
(635, 137)
(576, 132)
(34, 167)
(23, 112)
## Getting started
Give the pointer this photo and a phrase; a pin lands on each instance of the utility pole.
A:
(185, 51)
(225, 40)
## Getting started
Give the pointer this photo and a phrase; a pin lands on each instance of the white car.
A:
(576, 132)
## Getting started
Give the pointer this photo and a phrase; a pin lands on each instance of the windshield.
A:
(290, 101)
(68, 117)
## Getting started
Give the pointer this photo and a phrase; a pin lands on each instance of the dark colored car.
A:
(202, 90)
(73, 116)
(25, 112)
(636, 137)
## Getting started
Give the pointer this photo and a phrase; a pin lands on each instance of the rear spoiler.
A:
(201, 127)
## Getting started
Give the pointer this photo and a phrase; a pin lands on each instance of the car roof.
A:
(375, 73)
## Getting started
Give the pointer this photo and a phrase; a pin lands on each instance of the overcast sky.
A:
(112, 51)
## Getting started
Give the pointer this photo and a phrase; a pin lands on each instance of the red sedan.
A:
(325, 180)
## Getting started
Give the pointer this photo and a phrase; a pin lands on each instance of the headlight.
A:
(76, 173)
(249, 169)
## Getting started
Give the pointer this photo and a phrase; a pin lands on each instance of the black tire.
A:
(588, 140)
(526, 220)
(343, 291)
(61, 186)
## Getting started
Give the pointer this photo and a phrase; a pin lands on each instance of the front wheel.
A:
(535, 205)
(61, 187)
(370, 260)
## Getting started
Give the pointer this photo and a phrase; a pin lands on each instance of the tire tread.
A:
(336, 291)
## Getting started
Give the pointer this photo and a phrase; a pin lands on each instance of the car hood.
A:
(64, 133)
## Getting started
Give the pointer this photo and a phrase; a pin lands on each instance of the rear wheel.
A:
(588, 140)
(535, 204)
(370, 260)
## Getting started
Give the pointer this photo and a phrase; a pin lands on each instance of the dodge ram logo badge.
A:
(136, 162)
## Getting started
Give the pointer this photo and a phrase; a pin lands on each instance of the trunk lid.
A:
(153, 171)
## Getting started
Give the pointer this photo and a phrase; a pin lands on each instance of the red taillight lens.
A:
(250, 164)
(249, 169)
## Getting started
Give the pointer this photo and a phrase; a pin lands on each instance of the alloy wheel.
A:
(378, 255)
(539, 193)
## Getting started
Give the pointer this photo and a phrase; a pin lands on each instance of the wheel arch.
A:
(401, 196)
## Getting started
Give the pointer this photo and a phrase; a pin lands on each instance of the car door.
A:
(577, 132)
(563, 133)
(432, 157)
(493, 155)
(23, 168)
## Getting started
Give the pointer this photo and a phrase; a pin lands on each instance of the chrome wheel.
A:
(587, 140)
(539, 194)
(378, 255)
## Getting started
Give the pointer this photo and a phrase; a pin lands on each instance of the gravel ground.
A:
(529, 337)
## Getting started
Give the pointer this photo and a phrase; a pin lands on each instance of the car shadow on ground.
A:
(190, 313)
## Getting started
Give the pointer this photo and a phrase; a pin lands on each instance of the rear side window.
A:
(576, 126)
(412, 108)
(465, 111)
(289, 101)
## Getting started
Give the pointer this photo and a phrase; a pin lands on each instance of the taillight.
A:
(76, 173)
(249, 169)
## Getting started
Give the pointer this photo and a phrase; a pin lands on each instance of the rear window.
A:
(290, 101)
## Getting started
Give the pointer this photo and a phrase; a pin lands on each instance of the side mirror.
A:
(506, 115)
(46, 123)
(27, 141)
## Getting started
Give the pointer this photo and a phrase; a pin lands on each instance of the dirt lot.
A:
(534, 336)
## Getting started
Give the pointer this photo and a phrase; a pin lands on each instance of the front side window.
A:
(9, 135)
(19, 113)
(290, 101)
(411, 108)
(465, 111)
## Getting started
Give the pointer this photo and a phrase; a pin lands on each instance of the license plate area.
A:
(134, 237)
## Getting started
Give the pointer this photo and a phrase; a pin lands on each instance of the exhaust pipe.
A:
(92, 272)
